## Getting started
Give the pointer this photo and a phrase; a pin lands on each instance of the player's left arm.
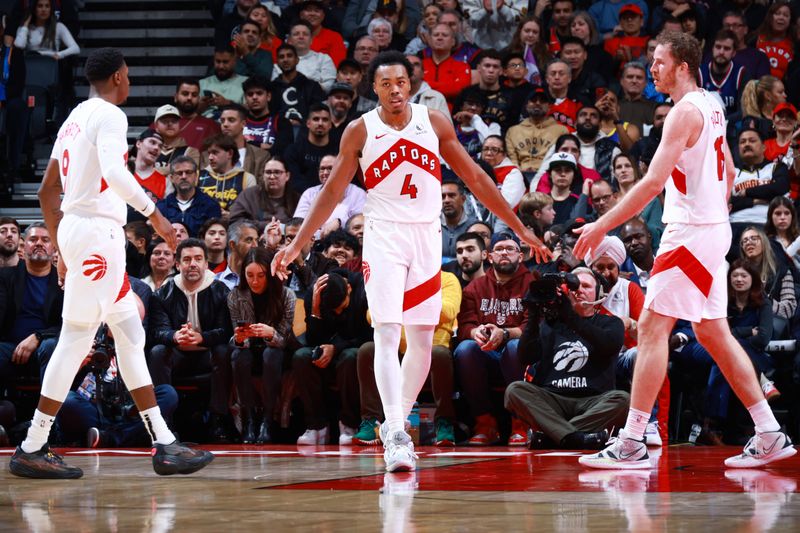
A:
(50, 199)
(480, 184)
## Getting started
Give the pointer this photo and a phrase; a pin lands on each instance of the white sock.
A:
(763, 417)
(38, 432)
(636, 423)
(156, 426)
(416, 364)
(388, 376)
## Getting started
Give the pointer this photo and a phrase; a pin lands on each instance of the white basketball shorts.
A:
(96, 285)
(689, 277)
(402, 271)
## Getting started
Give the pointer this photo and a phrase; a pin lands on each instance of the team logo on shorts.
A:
(365, 270)
(95, 267)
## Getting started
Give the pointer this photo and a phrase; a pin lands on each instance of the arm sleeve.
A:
(468, 316)
(793, 248)
(304, 205)
(777, 187)
(21, 41)
(112, 149)
(63, 36)
(284, 328)
(327, 72)
(786, 303)
(451, 298)
(530, 348)
(761, 340)
(513, 188)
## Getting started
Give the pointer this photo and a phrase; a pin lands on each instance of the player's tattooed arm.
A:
(50, 199)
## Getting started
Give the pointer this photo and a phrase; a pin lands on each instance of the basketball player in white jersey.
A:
(89, 163)
(688, 280)
(398, 146)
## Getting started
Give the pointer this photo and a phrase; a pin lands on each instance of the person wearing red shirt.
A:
(323, 40)
(193, 127)
(442, 72)
(629, 44)
(564, 109)
(774, 38)
(784, 117)
(148, 148)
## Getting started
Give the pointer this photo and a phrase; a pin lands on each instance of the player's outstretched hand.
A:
(282, 260)
(539, 250)
(164, 229)
(590, 237)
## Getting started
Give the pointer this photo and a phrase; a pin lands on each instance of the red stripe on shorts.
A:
(126, 286)
(682, 258)
(422, 292)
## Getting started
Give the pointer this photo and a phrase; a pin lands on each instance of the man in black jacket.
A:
(30, 308)
(336, 315)
(569, 392)
(292, 92)
(190, 328)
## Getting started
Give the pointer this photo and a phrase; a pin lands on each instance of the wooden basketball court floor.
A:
(331, 489)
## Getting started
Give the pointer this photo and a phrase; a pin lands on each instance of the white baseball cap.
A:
(166, 110)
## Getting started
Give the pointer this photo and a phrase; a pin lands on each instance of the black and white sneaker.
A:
(622, 453)
(762, 449)
(176, 458)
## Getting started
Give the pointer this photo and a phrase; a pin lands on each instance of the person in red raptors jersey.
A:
(89, 164)
(688, 280)
(399, 146)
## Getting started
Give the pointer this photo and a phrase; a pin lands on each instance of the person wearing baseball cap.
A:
(607, 13)
(628, 44)
(784, 119)
(563, 169)
(349, 71)
(167, 125)
(148, 150)
(340, 102)
(528, 142)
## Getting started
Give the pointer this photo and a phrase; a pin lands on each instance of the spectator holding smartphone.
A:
(262, 313)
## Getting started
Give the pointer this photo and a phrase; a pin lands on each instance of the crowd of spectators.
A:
(553, 98)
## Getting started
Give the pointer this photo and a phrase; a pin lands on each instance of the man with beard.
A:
(638, 241)
(187, 205)
(148, 149)
(233, 119)
(585, 82)
(622, 133)
(645, 148)
(251, 60)
(316, 66)
(340, 102)
(470, 255)
(9, 242)
(224, 86)
(349, 71)
(222, 179)
(560, 18)
(263, 129)
(214, 233)
(193, 127)
(30, 308)
(304, 156)
(721, 75)
(490, 323)
(529, 141)
(190, 327)
(166, 124)
(293, 92)
(455, 219)
(634, 108)
(497, 105)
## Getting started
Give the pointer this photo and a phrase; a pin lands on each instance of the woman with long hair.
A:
(262, 312)
(782, 227)
(269, 35)
(583, 26)
(528, 41)
(760, 97)
(775, 37)
(625, 174)
(161, 260)
(41, 32)
(755, 249)
(751, 321)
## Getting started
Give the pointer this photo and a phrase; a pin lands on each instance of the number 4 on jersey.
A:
(408, 187)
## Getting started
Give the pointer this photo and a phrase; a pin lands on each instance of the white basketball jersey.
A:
(696, 191)
(86, 193)
(402, 169)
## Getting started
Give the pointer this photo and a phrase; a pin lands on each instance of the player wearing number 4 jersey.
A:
(89, 163)
(688, 280)
(399, 147)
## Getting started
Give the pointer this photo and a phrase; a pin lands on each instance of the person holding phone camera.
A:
(262, 313)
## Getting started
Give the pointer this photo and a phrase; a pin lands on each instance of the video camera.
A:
(111, 394)
(544, 292)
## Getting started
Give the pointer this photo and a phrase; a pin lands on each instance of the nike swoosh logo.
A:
(626, 456)
(772, 446)
(382, 135)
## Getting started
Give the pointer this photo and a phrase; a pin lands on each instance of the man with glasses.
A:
(188, 205)
(490, 323)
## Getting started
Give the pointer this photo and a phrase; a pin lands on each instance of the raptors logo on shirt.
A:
(95, 267)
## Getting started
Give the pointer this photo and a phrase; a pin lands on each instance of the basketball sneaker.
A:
(367, 434)
(622, 453)
(519, 433)
(176, 458)
(486, 433)
(399, 453)
(43, 464)
(445, 434)
(762, 449)
(652, 436)
(346, 434)
(313, 437)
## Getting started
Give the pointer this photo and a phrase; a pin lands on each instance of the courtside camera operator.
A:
(571, 349)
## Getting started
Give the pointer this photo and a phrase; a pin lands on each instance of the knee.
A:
(514, 392)
(272, 358)
(220, 354)
(46, 349)
(618, 397)
(441, 357)
(348, 357)
(467, 350)
(241, 358)
(159, 355)
(302, 358)
(366, 353)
